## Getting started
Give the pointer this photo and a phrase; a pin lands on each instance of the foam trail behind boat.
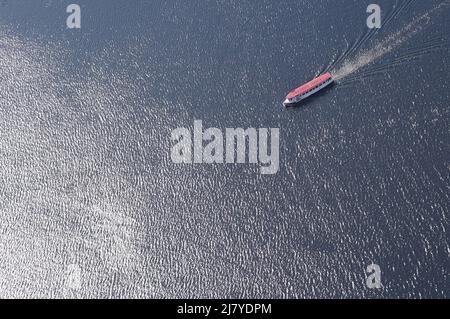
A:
(387, 45)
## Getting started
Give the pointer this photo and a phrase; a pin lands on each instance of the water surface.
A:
(86, 177)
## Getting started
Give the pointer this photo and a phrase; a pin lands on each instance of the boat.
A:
(308, 89)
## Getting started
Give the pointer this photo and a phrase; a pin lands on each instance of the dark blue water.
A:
(87, 183)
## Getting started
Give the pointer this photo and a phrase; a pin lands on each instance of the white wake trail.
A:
(387, 45)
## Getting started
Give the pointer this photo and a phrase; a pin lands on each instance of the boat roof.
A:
(308, 86)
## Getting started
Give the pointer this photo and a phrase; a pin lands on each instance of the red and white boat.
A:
(308, 89)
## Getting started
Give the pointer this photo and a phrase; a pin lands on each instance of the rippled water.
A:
(86, 180)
